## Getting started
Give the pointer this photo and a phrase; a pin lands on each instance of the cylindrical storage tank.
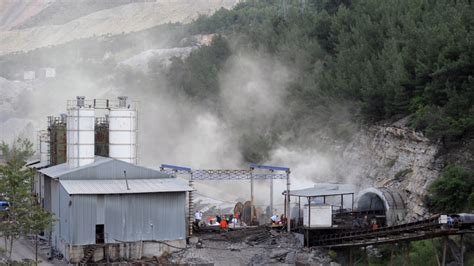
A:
(44, 147)
(80, 134)
(123, 132)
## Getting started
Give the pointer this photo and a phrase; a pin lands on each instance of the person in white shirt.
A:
(275, 219)
(197, 217)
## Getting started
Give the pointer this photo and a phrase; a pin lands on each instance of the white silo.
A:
(44, 146)
(80, 134)
(123, 131)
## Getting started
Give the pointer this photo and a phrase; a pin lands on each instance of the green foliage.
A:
(16, 156)
(389, 59)
(24, 216)
(423, 253)
(196, 76)
(453, 192)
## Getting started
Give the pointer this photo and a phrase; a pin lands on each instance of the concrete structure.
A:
(80, 134)
(382, 199)
(123, 131)
(118, 209)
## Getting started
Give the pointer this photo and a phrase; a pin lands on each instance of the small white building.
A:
(29, 75)
(47, 72)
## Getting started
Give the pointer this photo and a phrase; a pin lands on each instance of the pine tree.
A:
(24, 215)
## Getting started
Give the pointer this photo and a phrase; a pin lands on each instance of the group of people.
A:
(223, 221)
(365, 223)
(278, 220)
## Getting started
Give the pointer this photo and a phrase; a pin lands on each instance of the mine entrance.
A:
(372, 206)
(99, 233)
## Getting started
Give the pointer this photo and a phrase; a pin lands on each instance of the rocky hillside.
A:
(395, 157)
(117, 20)
(14, 13)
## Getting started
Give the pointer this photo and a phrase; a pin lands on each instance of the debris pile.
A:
(256, 246)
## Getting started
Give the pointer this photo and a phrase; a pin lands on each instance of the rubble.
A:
(251, 246)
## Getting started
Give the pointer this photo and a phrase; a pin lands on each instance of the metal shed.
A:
(151, 209)
(111, 201)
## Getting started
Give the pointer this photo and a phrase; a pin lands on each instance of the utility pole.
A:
(271, 197)
(288, 218)
(251, 197)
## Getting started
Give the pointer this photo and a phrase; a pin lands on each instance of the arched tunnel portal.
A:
(386, 205)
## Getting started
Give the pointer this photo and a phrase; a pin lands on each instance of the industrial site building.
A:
(115, 208)
(105, 208)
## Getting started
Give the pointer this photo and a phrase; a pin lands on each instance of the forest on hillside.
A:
(382, 60)
(371, 61)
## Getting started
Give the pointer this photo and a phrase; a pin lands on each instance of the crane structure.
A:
(255, 171)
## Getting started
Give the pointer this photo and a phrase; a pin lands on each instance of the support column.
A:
(445, 242)
(288, 217)
(251, 198)
(299, 211)
(190, 207)
(351, 262)
(462, 250)
(271, 196)
(342, 202)
(309, 217)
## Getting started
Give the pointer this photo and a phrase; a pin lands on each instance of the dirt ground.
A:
(254, 246)
(24, 250)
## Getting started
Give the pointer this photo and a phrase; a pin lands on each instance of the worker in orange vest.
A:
(223, 224)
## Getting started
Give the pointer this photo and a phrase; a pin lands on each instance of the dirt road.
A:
(24, 249)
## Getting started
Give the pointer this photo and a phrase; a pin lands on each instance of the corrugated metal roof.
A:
(116, 186)
(61, 169)
(323, 189)
(103, 168)
(39, 165)
(32, 161)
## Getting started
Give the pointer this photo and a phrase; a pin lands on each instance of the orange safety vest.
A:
(223, 224)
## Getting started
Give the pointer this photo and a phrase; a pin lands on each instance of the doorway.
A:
(99, 233)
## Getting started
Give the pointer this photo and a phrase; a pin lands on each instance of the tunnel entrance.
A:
(371, 202)
(383, 204)
(372, 206)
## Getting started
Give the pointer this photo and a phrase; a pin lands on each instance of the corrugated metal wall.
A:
(65, 214)
(60, 208)
(131, 217)
(83, 219)
(47, 193)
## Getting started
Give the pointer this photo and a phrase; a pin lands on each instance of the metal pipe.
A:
(126, 181)
(271, 196)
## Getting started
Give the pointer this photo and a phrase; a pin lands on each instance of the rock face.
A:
(118, 20)
(394, 157)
